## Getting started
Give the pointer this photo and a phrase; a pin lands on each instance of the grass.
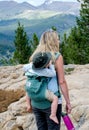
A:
(69, 70)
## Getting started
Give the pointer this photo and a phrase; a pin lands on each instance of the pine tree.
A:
(34, 42)
(22, 47)
(83, 26)
(70, 48)
(75, 48)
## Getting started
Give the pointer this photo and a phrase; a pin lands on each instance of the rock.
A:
(13, 114)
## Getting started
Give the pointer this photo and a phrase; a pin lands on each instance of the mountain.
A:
(62, 15)
(35, 25)
(12, 8)
(64, 7)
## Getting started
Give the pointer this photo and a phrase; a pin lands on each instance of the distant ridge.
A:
(10, 8)
(60, 6)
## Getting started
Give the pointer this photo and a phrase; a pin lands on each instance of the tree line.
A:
(74, 46)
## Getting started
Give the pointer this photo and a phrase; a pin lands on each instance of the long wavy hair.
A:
(49, 42)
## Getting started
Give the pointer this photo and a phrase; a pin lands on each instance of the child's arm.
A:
(28, 101)
(47, 72)
(27, 67)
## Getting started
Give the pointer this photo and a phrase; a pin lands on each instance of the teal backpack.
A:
(35, 87)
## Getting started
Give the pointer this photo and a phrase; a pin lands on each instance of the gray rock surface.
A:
(13, 116)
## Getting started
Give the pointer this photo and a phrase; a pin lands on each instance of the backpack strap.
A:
(55, 56)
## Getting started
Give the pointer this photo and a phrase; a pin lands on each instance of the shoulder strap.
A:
(55, 56)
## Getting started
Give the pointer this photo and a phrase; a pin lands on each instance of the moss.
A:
(69, 70)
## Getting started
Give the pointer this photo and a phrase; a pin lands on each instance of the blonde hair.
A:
(49, 42)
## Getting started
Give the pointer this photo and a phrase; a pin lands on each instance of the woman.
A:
(49, 42)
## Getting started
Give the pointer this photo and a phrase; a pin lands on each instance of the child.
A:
(42, 67)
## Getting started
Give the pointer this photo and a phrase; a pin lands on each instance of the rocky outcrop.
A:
(13, 114)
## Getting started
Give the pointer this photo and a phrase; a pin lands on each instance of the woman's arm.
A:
(62, 82)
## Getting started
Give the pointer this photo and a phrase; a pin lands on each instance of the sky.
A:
(37, 2)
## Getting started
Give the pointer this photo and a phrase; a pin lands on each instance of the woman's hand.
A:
(68, 108)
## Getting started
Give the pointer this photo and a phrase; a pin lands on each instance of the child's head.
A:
(41, 60)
